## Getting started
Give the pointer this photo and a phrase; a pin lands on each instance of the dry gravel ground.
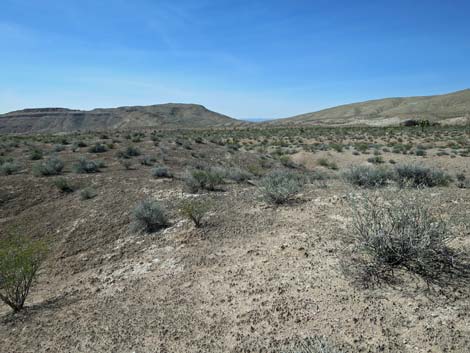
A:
(254, 278)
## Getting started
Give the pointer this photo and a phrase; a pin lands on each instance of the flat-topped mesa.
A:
(163, 116)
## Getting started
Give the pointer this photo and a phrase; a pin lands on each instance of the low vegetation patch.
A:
(280, 187)
(204, 179)
(63, 185)
(194, 209)
(20, 260)
(421, 176)
(51, 166)
(84, 166)
(401, 234)
(368, 177)
(149, 216)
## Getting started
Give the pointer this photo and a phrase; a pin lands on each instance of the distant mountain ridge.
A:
(165, 116)
(452, 108)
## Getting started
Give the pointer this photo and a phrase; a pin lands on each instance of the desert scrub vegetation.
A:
(129, 152)
(149, 216)
(400, 234)
(194, 210)
(161, 172)
(279, 187)
(98, 148)
(85, 166)
(20, 260)
(368, 177)
(35, 154)
(204, 179)
(421, 176)
(63, 185)
(238, 175)
(88, 193)
(9, 168)
(51, 166)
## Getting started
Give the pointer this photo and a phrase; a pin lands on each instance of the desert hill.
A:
(452, 108)
(67, 120)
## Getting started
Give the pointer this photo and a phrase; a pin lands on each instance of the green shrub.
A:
(9, 168)
(376, 160)
(85, 166)
(149, 216)
(418, 176)
(20, 260)
(127, 164)
(238, 175)
(209, 179)
(129, 152)
(401, 234)
(51, 166)
(63, 185)
(279, 186)
(35, 154)
(195, 210)
(161, 172)
(368, 177)
(98, 148)
(148, 160)
(88, 193)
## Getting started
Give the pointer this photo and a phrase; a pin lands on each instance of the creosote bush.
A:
(194, 209)
(368, 177)
(418, 176)
(51, 166)
(402, 234)
(279, 187)
(149, 216)
(20, 260)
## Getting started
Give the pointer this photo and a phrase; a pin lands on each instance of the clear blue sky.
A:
(247, 59)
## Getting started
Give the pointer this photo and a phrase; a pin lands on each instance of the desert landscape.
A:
(238, 237)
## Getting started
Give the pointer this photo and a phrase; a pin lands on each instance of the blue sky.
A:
(246, 59)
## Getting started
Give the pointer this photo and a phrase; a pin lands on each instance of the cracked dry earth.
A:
(255, 276)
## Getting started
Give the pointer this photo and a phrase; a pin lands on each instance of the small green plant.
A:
(35, 154)
(149, 216)
(419, 176)
(98, 148)
(161, 172)
(376, 160)
(280, 187)
(9, 168)
(401, 233)
(368, 177)
(199, 179)
(238, 175)
(194, 209)
(84, 166)
(129, 152)
(88, 193)
(63, 185)
(20, 260)
(126, 163)
(51, 166)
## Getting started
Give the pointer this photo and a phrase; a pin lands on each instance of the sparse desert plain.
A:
(242, 239)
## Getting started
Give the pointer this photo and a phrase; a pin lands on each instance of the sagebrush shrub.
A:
(51, 166)
(417, 175)
(199, 179)
(161, 172)
(20, 260)
(401, 233)
(98, 148)
(85, 166)
(63, 185)
(88, 193)
(279, 187)
(149, 216)
(368, 177)
(238, 175)
(9, 168)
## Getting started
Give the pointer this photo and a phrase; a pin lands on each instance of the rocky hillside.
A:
(67, 120)
(453, 108)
